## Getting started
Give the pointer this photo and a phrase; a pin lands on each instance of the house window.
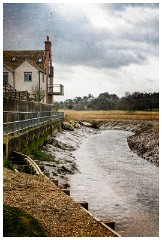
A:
(5, 77)
(27, 76)
(43, 77)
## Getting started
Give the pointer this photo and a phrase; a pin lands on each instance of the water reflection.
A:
(117, 184)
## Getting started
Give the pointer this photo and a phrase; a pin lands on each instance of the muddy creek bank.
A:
(117, 184)
(144, 142)
(61, 147)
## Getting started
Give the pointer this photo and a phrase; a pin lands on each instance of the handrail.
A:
(6, 84)
(31, 163)
(8, 90)
(11, 127)
(12, 116)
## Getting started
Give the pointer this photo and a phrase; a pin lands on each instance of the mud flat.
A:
(61, 147)
(144, 142)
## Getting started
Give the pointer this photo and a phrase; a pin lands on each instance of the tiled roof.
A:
(21, 56)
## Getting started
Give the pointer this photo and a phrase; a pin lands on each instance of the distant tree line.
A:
(106, 101)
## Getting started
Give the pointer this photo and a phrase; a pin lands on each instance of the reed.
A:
(109, 115)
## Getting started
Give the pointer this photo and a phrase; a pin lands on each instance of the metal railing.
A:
(56, 89)
(16, 126)
(12, 116)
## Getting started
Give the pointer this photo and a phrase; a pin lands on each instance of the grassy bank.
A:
(18, 223)
(109, 115)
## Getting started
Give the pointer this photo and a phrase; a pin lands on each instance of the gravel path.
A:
(59, 215)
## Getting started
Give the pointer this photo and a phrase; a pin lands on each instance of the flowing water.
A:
(117, 184)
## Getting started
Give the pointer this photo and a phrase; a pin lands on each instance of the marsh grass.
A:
(109, 115)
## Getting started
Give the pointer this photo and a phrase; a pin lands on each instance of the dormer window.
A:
(40, 60)
(13, 59)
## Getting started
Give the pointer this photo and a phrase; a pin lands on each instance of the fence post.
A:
(26, 95)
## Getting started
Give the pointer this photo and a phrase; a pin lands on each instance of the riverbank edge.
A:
(138, 127)
(144, 142)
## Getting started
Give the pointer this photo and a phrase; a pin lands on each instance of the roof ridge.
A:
(21, 56)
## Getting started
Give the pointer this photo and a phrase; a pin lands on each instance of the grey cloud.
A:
(99, 51)
(82, 44)
(122, 6)
(75, 40)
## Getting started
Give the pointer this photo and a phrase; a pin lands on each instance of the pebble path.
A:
(59, 215)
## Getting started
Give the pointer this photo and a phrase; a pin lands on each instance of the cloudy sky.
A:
(96, 47)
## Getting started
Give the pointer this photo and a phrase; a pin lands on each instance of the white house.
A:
(26, 70)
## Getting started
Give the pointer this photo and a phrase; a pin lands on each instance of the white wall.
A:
(22, 85)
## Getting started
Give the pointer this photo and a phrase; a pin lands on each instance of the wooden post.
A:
(7, 140)
(84, 204)
(55, 181)
(109, 222)
(66, 191)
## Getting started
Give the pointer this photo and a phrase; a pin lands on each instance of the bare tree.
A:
(38, 93)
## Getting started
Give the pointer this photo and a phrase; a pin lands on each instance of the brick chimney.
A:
(48, 45)
(48, 67)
